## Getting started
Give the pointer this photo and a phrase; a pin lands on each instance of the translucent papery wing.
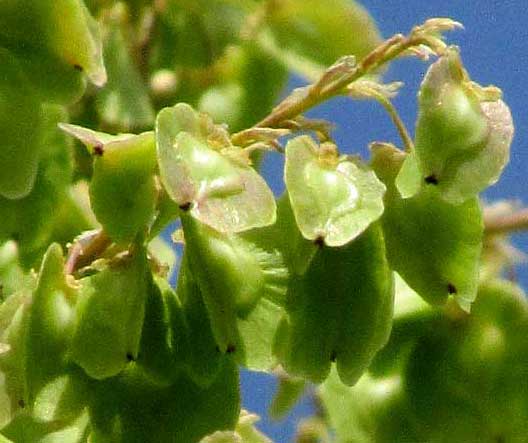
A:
(215, 182)
(334, 201)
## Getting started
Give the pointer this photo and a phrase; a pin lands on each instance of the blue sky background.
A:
(494, 48)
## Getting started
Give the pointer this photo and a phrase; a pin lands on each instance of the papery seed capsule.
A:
(339, 310)
(434, 245)
(110, 315)
(463, 132)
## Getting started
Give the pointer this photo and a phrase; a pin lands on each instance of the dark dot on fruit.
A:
(21, 403)
(78, 67)
(217, 348)
(451, 288)
(431, 180)
(319, 241)
(185, 206)
(130, 357)
(230, 348)
(98, 150)
(333, 356)
(500, 439)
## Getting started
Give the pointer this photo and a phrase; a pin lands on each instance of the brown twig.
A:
(504, 224)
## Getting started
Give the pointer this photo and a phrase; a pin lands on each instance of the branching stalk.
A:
(336, 79)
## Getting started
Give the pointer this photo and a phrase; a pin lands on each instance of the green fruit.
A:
(450, 121)
(109, 316)
(21, 124)
(255, 331)
(212, 260)
(203, 358)
(195, 34)
(46, 197)
(14, 313)
(413, 317)
(324, 32)
(233, 276)
(372, 411)
(339, 310)
(333, 199)
(164, 346)
(242, 296)
(61, 29)
(207, 176)
(462, 134)
(50, 324)
(122, 189)
(12, 276)
(25, 429)
(465, 378)
(129, 409)
(54, 79)
(435, 246)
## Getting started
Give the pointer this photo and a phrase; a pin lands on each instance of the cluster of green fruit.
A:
(101, 349)
(227, 58)
(442, 377)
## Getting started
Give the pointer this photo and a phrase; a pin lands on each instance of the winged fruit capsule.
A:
(164, 346)
(435, 246)
(57, 41)
(122, 190)
(375, 410)
(21, 124)
(46, 197)
(207, 176)
(236, 278)
(55, 390)
(14, 313)
(129, 408)
(463, 132)
(204, 358)
(323, 33)
(474, 367)
(109, 315)
(339, 310)
(256, 330)
(333, 198)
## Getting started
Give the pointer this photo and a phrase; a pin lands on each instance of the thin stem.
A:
(504, 224)
(398, 122)
(374, 60)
